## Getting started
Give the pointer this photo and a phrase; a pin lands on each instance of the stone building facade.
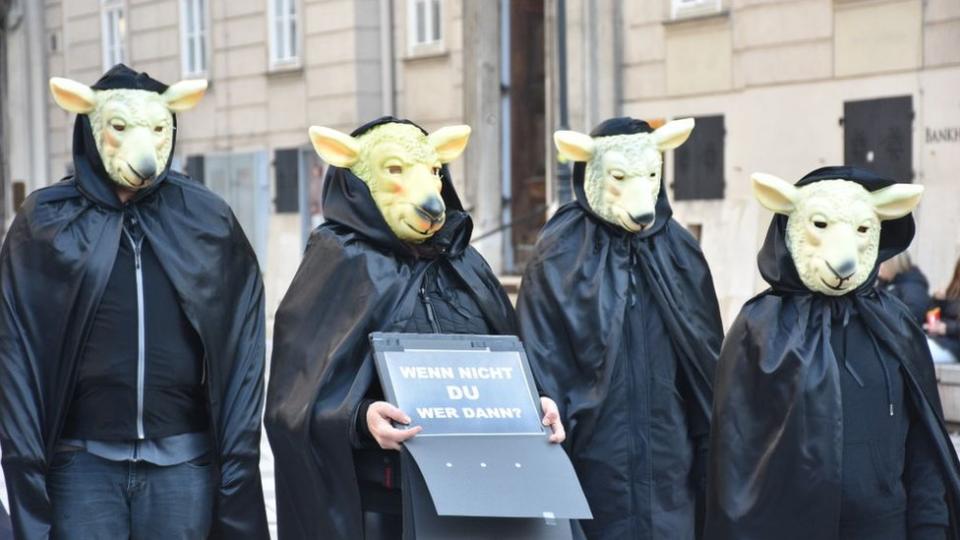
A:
(781, 86)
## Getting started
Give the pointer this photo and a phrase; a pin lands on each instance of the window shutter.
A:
(698, 163)
(195, 168)
(878, 135)
(286, 173)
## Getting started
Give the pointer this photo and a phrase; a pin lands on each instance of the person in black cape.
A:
(132, 336)
(393, 255)
(622, 327)
(827, 423)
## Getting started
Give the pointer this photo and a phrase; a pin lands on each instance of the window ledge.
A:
(427, 50)
(285, 67)
(699, 17)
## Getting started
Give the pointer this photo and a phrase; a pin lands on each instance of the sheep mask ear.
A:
(184, 95)
(775, 194)
(896, 201)
(573, 145)
(335, 147)
(73, 96)
(673, 134)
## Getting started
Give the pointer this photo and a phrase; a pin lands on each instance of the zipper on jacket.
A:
(141, 338)
(428, 305)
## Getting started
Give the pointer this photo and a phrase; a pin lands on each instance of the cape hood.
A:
(356, 277)
(54, 266)
(778, 409)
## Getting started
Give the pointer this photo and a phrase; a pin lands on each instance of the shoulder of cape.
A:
(556, 235)
(333, 244)
(679, 232)
(41, 208)
(196, 192)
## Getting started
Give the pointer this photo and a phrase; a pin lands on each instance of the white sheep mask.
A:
(401, 166)
(133, 129)
(623, 172)
(833, 226)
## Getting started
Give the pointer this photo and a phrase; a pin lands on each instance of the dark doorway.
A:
(528, 187)
(878, 135)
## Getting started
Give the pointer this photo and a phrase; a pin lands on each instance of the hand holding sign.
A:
(379, 417)
(551, 418)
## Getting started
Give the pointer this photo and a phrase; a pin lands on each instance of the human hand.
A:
(935, 328)
(379, 417)
(551, 418)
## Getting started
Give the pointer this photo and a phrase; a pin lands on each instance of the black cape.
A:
(573, 306)
(777, 440)
(54, 266)
(356, 277)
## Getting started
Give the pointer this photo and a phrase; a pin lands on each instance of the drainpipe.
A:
(506, 125)
(564, 189)
(387, 77)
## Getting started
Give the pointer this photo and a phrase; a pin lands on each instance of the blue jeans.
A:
(94, 498)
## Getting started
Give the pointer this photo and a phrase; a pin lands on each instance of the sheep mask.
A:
(402, 167)
(623, 172)
(833, 228)
(132, 120)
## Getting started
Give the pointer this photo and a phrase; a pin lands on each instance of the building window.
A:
(193, 37)
(693, 8)
(878, 135)
(114, 32)
(284, 33)
(426, 23)
(698, 163)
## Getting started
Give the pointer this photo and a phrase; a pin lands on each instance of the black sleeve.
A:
(953, 328)
(915, 296)
(927, 515)
(360, 437)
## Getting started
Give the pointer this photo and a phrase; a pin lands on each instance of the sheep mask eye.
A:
(402, 168)
(833, 226)
(623, 179)
(133, 129)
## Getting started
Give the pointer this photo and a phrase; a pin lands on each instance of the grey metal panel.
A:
(499, 475)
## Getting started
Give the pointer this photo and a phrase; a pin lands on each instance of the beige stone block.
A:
(285, 104)
(244, 91)
(333, 80)
(240, 8)
(247, 30)
(787, 63)
(153, 15)
(877, 37)
(337, 112)
(85, 29)
(644, 81)
(941, 43)
(645, 11)
(238, 62)
(330, 48)
(768, 24)
(643, 43)
(429, 95)
(85, 57)
(328, 17)
(53, 16)
(154, 44)
(699, 56)
(248, 120)
(75, 8)
(941, 10)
